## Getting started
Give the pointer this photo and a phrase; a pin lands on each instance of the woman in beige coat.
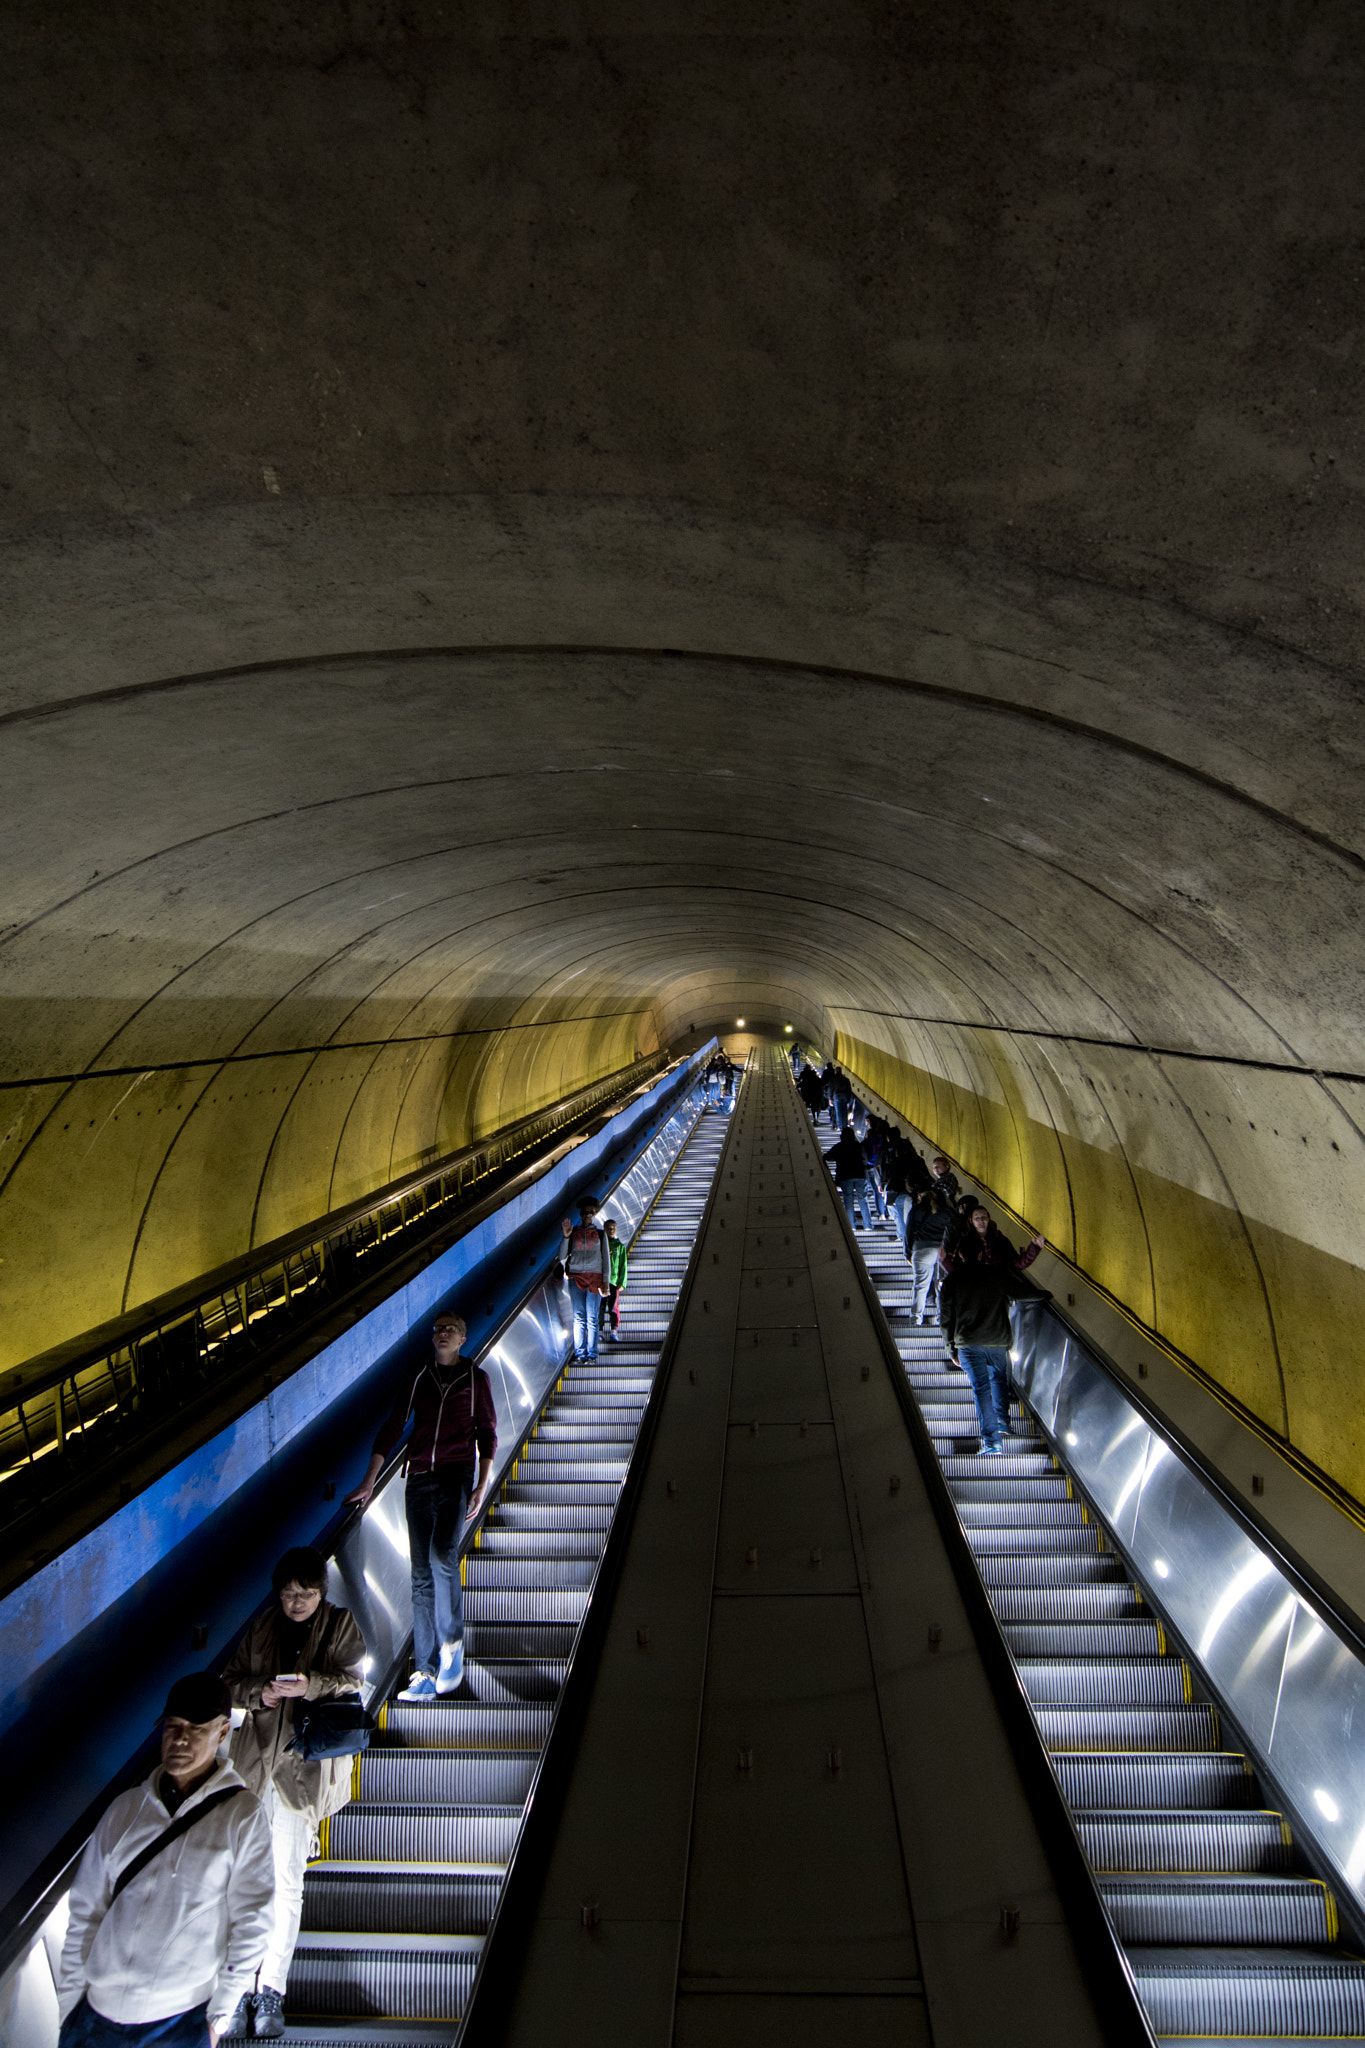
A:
(300, 1648)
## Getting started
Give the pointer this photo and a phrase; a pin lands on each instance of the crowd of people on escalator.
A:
(964, 1271)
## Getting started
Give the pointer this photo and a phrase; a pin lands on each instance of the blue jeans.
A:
(901, 1206)
(587, 1316)
(436, 1504)
(86, 2028)
(860, 1192)
(987, 1366)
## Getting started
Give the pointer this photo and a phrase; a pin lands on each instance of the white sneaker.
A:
(452, 1667)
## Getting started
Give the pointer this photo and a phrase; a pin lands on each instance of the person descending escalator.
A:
(450, 1402)
(974, 1308)
(945, 1180)
(587, 1269)
(850, 1177)
(173, 1900)
(301, 1648)
(930, 1221)
(620, 1270)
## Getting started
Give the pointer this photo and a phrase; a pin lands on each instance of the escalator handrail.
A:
(1099, 1952)
(491, 1995)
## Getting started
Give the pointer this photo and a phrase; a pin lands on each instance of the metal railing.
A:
(65, 1413)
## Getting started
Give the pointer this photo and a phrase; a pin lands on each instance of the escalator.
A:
(1229, 1931)
(399, 1901)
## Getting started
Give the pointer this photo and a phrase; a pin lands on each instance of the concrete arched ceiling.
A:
(519, 543)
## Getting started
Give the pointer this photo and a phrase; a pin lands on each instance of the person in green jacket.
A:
(619, 1267)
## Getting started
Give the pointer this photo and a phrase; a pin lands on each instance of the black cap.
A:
(199, 1697)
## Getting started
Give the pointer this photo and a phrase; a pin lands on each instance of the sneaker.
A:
(421, 1686)
(989, 1448)
(269, 2017)
(451, 1673)
(240, 2023)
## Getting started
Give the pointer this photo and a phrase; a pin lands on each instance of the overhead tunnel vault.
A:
(932, 631)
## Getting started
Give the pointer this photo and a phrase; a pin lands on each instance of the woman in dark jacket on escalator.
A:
(930, 1221)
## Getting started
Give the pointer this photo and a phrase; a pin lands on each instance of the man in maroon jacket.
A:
(450, 1400)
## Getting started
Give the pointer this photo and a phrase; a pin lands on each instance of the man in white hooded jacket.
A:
(165, 1955)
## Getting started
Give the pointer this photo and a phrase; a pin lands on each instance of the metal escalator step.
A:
(576, 1433)
(551, 1463)
(1081, 1541)
(1227, 1911)
(393, 1778)
(1019, 1462)
(398, 1902)
(1191, 1727)
(543, 1493)
(1100, 1602)
(430, 1979)
(525, 1515)
(463, 1725)
(1182, 1842)
(483, 1572)
(369, 1835)
(1247, 1995)
(1025, 1516)
(454, 1724)
(1133, 1638)
(1105, 1681)
(610, 1407)
(488, 1640)
(543, 1603)
(985, 1486)
(1023, 1574)
(544, 1543)
(511, 1681)
(1214, 1781)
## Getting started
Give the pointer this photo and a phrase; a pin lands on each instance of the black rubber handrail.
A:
(491, 1996)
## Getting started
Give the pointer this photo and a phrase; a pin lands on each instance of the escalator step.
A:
(455, 1723)
(1084, 1639)
(485, 1573)
(488, 1640)
(1215, 1782)
(1078, 1542)
(1191, 1727)
(423, 1982)
(512, 1681)
(365, 1835)
(1023, 1574)
(986, 1487)
(1017, 1463)
(1105, 1681)
(1067, 1603)
(542, 1494)
(1252, 1996)
(394, 1902)
(1180, 1842)
(443, 1777)
(1026, 1517)
(1228, 1911)
(525, 1515)
(499, 1603)
(543, 1543)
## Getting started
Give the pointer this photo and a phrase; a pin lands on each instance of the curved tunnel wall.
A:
(516, 544)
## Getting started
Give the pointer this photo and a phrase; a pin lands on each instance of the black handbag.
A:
(336, 1726)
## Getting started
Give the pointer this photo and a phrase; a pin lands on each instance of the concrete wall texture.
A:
(530, 526)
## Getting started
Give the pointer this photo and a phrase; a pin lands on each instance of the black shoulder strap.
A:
(179, 1826)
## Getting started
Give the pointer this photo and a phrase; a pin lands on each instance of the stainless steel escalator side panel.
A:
(1292, 1683)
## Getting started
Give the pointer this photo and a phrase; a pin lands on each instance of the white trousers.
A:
(293, 1837)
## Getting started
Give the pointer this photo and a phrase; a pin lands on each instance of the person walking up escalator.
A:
(301, 1648)
(450, 1403)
